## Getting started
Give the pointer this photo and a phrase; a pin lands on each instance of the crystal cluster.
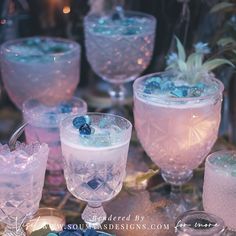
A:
(101, 135)
(158, 85)
(36, 48)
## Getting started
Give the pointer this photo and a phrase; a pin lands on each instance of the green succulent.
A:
(193, 68)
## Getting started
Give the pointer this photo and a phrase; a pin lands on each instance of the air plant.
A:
(193, 68)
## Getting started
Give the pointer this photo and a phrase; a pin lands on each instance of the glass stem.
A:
(176, 192)
(117, 94)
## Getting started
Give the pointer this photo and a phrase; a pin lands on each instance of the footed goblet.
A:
(21, 183)
(95, 148)
(119, 48)
(177, 124)
(42, 67)
(43, 126)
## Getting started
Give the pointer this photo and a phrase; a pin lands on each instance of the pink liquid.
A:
(219, 195)
(177, 137)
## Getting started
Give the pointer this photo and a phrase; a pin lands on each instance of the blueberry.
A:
(66, 107)
(85, 129)
(79, 121)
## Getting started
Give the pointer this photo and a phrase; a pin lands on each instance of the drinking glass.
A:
(21, 184)
(95, 163)
(40, 67)
(220, 187)
(199, 223)
(43, 126)
(119, 49)
(176, 132)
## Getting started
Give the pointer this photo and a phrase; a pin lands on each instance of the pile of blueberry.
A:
(70, 231)
(82, 123)
(157, 85)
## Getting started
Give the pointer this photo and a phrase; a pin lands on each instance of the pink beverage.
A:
(119, 49)
(43, 125)
(177, 122)
(40, 67)
(95, 164)
(21, 183)
(95, 148)
(219, 190)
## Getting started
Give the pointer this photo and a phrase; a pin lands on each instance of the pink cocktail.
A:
(42, 67)
(177, 122)
(219, 190)
(43, 125)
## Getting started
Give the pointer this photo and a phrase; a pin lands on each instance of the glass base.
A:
(94, 215)
(14, 231)
(177, 178)
(178, 202)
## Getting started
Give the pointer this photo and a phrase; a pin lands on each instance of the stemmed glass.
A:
(177, 132)
(43, 126)
(220, 187)
(95, 148)
(21, 183)
(40, 67)
(119, 48)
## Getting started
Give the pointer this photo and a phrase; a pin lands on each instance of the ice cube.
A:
(181, 91)
(167, 85)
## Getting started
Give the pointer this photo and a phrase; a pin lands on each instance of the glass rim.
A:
(138, 92)
(127, 12)
(39, 148)
(123, 136)
(50, 112)
(76, 46)
(187, 215)
(73, 99)
(100, 114)
(88, 20)
(217, 153)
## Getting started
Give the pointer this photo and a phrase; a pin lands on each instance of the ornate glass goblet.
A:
(177, 132)
(21, 183)
(95, 148)
(119, 49)
(42, 67)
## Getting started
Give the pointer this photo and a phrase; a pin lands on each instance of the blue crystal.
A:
(66, 107)
(95, 183)
(85, 129)
(153, 79)
(200, 85)
(79, 121)
(88, 119)
(167, 85)
(181, 91)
